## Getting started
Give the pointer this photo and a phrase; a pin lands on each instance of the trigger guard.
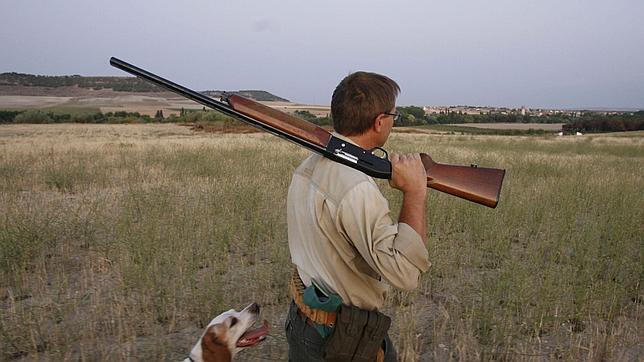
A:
(386, 157)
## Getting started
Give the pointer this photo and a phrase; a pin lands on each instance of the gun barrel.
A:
(207, 101)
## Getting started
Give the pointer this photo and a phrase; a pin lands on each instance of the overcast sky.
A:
(541, 53)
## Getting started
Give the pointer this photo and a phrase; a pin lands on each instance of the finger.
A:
(419, 160)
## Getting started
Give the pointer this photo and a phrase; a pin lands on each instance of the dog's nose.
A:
(254, 308)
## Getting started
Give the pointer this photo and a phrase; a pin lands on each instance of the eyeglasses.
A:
(397, 115)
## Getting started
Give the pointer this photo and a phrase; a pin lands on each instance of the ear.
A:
(214, 344)
(379, 123)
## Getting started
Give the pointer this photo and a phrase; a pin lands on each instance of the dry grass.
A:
(122, 241)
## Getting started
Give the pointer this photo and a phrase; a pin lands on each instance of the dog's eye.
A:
(233, 321)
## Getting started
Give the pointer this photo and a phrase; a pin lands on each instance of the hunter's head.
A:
(363, 100)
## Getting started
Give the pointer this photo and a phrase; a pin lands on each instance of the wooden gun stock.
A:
(478, 184)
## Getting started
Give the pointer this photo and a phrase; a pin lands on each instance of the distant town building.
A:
(523, 111)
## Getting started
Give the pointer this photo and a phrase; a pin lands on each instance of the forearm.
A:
(413, 212)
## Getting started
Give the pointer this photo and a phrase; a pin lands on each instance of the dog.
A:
(228, 334)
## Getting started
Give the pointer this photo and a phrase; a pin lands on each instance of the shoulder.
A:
(333, 179)
(308, 165)
(342, 180)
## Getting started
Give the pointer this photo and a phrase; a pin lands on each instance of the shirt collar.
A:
(344, 138)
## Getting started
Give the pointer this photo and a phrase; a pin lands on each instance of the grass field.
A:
(120, 242)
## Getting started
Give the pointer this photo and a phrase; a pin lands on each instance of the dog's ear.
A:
(214, 344)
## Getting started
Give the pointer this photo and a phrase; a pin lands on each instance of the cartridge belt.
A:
(317, 316)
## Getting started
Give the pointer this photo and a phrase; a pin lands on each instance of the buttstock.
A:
(478, 184)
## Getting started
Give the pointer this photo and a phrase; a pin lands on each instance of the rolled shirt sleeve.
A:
(393, 250)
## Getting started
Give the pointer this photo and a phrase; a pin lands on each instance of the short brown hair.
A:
(359, 99)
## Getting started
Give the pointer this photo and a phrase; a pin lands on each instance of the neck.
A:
(365, 140)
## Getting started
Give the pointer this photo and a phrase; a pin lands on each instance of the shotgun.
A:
(473, 183)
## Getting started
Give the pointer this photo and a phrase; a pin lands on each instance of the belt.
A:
(317, 316)
(314, 315)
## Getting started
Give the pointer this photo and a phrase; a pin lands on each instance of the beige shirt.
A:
(341, 235)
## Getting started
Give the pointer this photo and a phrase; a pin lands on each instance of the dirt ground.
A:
(107, 100)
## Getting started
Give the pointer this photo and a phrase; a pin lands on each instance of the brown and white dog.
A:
(227, 334)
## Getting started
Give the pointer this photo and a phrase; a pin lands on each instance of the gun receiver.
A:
(476, 184)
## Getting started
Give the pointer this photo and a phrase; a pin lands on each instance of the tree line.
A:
(591, 123)
(587, 122)
(42, 117)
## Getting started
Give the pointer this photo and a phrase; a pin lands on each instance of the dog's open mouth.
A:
(253, 336)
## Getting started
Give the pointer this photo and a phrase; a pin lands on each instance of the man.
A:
(341, 236)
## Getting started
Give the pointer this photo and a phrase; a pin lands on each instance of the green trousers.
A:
(305, 343)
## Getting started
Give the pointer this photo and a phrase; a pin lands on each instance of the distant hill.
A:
(76, 85)
(118, 84)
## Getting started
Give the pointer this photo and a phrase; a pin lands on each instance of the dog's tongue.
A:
(252, 337)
